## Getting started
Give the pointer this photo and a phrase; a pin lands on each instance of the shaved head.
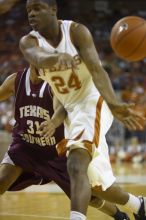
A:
(50, 2)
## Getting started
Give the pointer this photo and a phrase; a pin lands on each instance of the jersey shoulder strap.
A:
(18, 80)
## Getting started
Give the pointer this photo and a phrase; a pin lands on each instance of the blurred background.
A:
(128, 79)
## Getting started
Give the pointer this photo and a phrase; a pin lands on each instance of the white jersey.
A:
(69, 87)
(89, 117)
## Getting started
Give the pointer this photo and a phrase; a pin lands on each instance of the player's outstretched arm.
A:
(49, 126)
(7, 89)
(40, 58)
(82, 39)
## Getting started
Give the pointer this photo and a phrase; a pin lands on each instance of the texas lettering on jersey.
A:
(33, 105)
(34, 111)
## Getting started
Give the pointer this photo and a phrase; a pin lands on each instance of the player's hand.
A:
(47, 128)
(128, 116)
(66, 61)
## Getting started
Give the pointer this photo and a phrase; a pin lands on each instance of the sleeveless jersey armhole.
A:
(50, 91)
(73, 24)
(18, 80)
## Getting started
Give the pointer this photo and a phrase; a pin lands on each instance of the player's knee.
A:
(73, 167)
(78, 162)
(96, 202)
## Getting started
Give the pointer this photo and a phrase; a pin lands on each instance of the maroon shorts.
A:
(39, 165)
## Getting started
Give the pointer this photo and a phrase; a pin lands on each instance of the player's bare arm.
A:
(42, 59)
(59, 112)
(7, 89)
(49, 126)
(83, 41)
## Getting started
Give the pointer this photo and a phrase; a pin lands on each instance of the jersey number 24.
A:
(62, 87)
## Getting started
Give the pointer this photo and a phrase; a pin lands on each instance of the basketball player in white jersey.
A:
(66, 56)
(40, 163)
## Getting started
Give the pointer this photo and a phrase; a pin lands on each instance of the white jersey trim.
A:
(27, 85)
(42, 89)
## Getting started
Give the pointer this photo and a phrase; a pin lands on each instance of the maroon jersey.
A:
(35, 154)
(33, 105)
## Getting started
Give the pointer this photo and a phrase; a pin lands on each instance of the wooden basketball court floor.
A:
(49, 203)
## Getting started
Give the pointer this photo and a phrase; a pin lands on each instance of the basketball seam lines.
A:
(137, 46)
(118, 42)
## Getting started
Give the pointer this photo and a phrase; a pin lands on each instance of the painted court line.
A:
(34, 216)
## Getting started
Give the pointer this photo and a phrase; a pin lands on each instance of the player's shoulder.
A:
(79, 29)
(25, 38)
(17, 74)
(9, 82)
(77, 26)
(74, 26)
(11, 77)
(79, 32)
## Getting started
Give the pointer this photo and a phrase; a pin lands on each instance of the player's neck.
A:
(53, 35)
(34, 76)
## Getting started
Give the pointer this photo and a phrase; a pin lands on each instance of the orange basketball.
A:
(128, 38)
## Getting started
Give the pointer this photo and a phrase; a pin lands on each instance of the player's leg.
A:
(108, 208)
(117, 195)
(56, 170)
(8, 175)
(77, 164)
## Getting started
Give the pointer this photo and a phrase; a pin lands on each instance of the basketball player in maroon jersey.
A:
(32, 159)
(28, 150)
(53, 48)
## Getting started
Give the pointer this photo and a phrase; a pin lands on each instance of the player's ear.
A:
(54, 10)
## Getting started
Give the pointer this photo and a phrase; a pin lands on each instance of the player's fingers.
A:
(130, 105)
(140, 118)
(126, 124)
(48, 134)
(134, 124)
(42, 125)
(138, 123)
(129, 124)
(44, 130)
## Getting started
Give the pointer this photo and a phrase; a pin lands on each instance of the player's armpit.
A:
(7, 89)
